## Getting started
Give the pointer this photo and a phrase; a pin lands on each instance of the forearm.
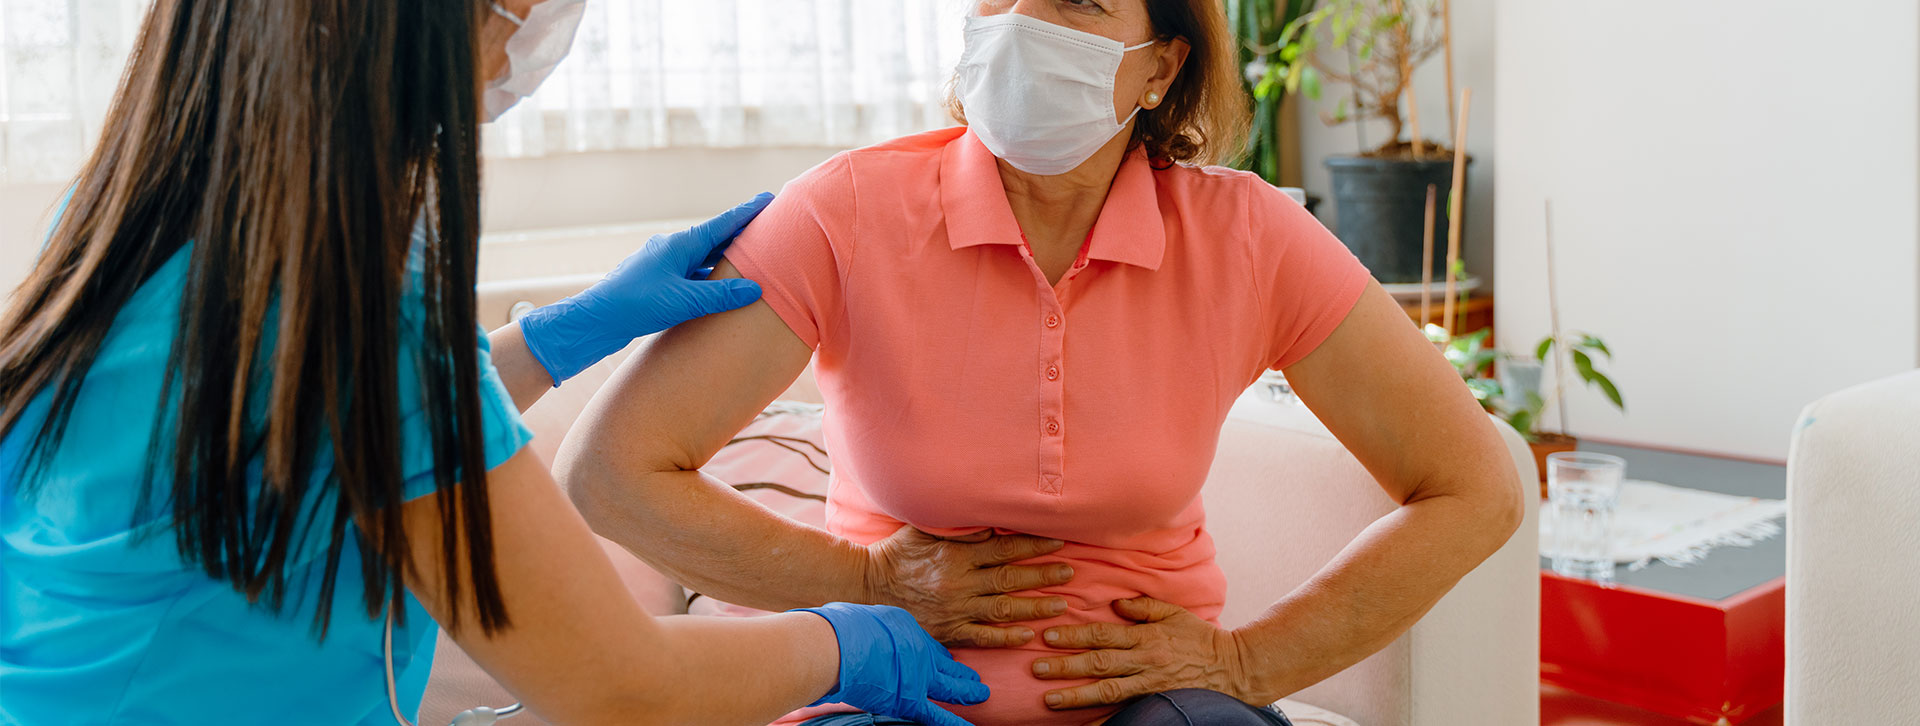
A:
(773, 665)
(697, 530)
(526, 380)
(1372, 592)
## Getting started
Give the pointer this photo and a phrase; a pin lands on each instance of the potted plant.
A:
(1260, 25)
(1516, 395)
(1380, 192)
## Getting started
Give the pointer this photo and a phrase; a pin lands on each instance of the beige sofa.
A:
(1282, 499)
(1853, 557)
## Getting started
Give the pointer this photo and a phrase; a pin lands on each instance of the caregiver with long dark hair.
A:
(247, 428)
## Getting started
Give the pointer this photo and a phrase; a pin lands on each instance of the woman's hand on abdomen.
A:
(959, 587)
(1163, 648)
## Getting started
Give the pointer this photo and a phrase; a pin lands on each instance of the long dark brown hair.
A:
(297, 145)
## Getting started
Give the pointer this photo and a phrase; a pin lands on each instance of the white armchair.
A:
(1853, 557)
(1283, 497)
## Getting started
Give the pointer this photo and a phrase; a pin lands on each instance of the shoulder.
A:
(1237, 204)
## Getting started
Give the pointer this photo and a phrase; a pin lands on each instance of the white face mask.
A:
(533, 51)
(1040, 96)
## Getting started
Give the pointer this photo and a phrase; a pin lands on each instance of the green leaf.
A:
(1589, 341)
(1366, 51)
(1310, 81)
(1612, 391)
(1584, 364)
(1293, 78)
(1522, 421)
(1485, 390)
(1478, 361)
(1340, 28)
(1290, 53)
(1268, 87)
(1546, 346)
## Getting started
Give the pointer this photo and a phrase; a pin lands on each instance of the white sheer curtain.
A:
(59, 63)
(657, 73)
(643, 74)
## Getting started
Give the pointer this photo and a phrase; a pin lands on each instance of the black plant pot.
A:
(1382, 207)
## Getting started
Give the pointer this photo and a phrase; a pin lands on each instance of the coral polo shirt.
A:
(964, 392)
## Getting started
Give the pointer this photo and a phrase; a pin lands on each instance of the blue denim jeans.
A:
(1185, 707)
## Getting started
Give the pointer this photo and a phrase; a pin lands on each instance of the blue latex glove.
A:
(891, 667)
(662, 285)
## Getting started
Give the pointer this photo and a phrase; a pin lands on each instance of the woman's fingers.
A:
(1015, 578)
(1093, 635)
(975, 635)
(1011, 609)
(1091, 664)
(1147, 610)
(1100, 693)
(1008, 548)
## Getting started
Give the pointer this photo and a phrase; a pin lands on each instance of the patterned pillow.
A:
(780, 461)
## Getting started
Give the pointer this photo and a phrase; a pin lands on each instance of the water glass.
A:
(1582, 491)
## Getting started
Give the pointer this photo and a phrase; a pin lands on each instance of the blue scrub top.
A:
(102, 622)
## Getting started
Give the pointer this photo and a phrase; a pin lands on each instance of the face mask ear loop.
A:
(508, 14)
(1136, 108)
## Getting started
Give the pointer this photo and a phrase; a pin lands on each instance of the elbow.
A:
(586, 479)
(1512, 507)
(1505, 499)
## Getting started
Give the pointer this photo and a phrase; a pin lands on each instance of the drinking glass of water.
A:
(1582, 489)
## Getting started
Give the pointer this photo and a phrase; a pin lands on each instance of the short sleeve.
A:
(1307, 279)
(800, 249)
(502, 432)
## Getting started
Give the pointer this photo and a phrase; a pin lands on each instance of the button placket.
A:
(1052, 396)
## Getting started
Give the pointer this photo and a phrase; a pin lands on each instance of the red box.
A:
(1706, 661)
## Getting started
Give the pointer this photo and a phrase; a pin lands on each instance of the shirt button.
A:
(1053, 373)
(1053, 428)
(1053, 321)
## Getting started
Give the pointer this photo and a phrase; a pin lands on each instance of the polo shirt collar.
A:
(1130, 229)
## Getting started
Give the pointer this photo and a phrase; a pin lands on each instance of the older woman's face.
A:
(1151, 69)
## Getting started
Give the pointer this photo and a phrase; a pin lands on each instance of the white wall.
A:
(1473, 64)
(25, 210)
(1735, 190)
(567, 191)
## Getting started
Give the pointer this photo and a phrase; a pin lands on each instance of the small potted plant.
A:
(1516, 396)
(1380, 193)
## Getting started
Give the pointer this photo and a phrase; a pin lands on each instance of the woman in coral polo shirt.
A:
(1029, 332)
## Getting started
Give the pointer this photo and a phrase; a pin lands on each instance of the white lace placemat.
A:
(1678, 526)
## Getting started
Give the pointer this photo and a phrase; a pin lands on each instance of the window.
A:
(643, 74)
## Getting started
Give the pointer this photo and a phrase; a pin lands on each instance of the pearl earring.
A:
(1153, 99)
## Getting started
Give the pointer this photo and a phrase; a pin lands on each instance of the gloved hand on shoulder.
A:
(663, 285)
